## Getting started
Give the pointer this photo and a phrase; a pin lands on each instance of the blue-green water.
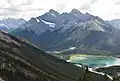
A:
(95, 61)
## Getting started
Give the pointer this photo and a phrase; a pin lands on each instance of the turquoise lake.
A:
(94, 61)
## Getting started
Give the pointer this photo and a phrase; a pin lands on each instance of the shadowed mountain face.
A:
(22, 61)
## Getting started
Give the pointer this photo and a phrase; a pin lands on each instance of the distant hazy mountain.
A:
(115, 23)
(3, 27)
(53, 31)
(9, 24)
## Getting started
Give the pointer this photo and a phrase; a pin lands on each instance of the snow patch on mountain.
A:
(38, 20)
(53, 14)
(49, 23)
(72, 48)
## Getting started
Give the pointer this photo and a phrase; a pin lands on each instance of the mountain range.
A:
(71, 32)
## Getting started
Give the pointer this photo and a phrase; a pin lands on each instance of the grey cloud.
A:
(18, 8)
(28, 2)
(117, 2)
(8, 13)
(32, 9)
(84, 7)
(87, 5)
(117, 13)
(60, 7)
(9, 1)
(11, 10)
(93, 1)
(16, 11)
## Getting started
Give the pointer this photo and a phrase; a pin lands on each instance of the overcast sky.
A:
(106, 9)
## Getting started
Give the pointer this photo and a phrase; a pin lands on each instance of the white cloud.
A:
(106, 9)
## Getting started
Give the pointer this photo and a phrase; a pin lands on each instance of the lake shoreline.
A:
(95, 60)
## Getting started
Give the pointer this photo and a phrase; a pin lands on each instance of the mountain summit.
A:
(75, 11)
(53, 12)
